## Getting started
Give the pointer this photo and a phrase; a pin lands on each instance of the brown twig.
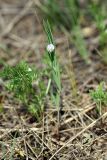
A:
(82, 113)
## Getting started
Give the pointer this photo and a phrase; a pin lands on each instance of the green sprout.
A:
(20, 79)
(99, 96)
(54, 84)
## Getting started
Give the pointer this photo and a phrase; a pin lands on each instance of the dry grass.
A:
(82, 134)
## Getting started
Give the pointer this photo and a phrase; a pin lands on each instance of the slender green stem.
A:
(48, 87)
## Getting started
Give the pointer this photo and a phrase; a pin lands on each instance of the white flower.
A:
(29, 69)
(50, 48)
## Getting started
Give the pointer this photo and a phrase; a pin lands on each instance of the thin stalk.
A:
(54, 82)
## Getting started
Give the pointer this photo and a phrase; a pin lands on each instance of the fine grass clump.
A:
(79, 42)
(98, 12)
(60, 13)
(98, 16)
(99, 96)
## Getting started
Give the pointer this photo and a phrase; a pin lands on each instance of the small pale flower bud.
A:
(29, 69)
(50, 48)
